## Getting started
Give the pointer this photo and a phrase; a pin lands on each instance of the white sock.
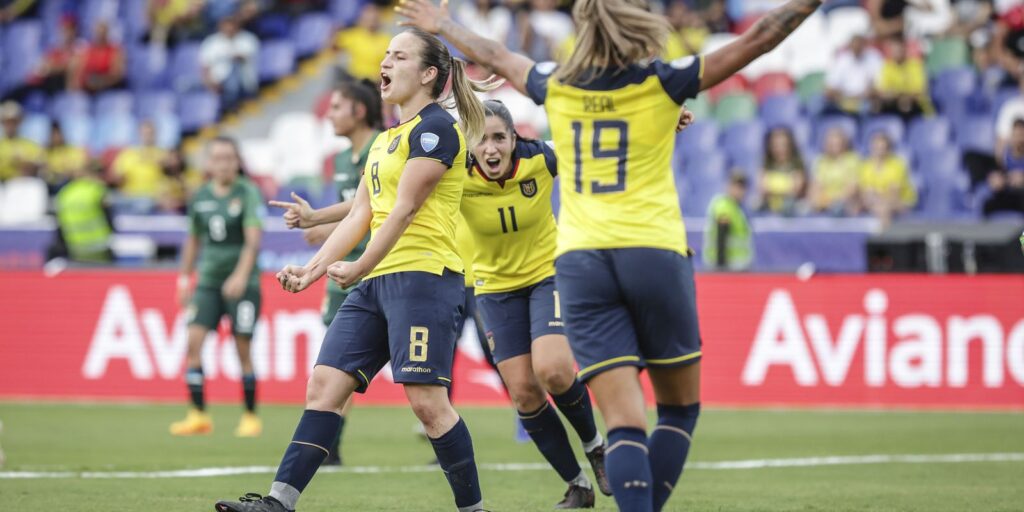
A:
(581, 480)
(286, 494)
(472, 508)
(593, 443)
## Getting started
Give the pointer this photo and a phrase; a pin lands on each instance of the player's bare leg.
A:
(677, 391)
(197, 421)
(250, 424)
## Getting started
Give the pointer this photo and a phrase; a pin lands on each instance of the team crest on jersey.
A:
(528, 187)
(235, 207)
(394, 144)
(429, 141)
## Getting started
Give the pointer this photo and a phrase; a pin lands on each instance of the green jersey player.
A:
(225, 227)
(355, 113)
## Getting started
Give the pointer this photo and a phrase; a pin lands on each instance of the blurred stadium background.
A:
(881, 277)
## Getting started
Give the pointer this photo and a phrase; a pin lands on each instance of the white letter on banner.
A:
(168, 351)
(961, 331)
(834, 359)
(916, 359)
(779, 340)
(1015, 352)
(117, 336)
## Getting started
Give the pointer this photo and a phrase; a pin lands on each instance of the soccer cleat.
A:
(576, 497)
(195, 423)
(251, 502)
(249, 426)
(596, 458)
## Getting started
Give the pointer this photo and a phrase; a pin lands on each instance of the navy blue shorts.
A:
(406, 317)
(629, 307)
(514, 319)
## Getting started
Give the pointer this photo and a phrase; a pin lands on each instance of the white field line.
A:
(954, 458)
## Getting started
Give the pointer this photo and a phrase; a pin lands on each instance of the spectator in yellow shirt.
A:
(688, 34)
(885, 187)
(902, 83)
(783, 180)
(62, 159)
(18, 155)
(834, 182)
(363, 46)
(137, 170)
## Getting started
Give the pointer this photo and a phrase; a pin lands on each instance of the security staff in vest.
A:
(83, 217)
(728, 244)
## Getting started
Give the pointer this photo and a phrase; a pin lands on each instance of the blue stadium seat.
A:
(890, 125)
(977, 133)
(942, 162)
(346, 12)
(113, 130)
(77, 128)
(22, 48)
(185, 69)
(198, 109)
(311, 33)
(276, 60)
(272, 26)
(70, 103)
(743, 138)
(36, 128)
(147, 67)
(928, 134)
(136, 19)
(113, 102)
(707, 171)
(151, 103)
(953, 85)
(699, 138)
(848, 125)
(780, 109)
(168, 129)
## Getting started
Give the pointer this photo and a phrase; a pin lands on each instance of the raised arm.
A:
(494, 56)
(418, 181)
(760, 39)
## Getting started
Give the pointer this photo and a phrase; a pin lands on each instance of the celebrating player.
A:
(412, 291)
(623, 267)
(507, 205)
(356, 113)
(225, 227)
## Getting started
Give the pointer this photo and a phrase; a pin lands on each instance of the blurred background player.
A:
(515, 293)
(728, 242)
(412, 292)
(225, 227)
(621, 234)
(357, 114)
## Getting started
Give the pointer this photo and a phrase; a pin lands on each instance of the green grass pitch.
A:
(69, 438)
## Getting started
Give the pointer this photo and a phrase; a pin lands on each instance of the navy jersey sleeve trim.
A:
(549, 157)
(681, 77)
(436, 138)
(537, 81)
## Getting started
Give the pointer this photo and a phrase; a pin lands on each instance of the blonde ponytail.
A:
(471, 109)
(612, 34)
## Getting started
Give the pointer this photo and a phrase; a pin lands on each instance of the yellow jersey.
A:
(512, 222)
(428, 244)
(614, 135)
(15, 152)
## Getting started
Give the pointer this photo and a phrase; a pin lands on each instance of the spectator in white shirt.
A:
(228, 58)
(850, 82)
(486, 19)
(1010, 112)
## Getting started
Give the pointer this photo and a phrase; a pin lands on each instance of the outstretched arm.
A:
(760, 39)
(494, 56)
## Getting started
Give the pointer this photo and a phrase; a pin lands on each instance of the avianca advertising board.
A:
(848, 341)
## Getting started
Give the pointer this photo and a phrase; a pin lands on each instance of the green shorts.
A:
(208, 306)
(333, 300)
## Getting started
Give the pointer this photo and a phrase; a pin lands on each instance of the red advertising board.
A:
(847, 341)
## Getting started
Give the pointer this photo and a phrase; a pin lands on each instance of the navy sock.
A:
(629, 470)
(547, 432)
(669, 444)
(307, 450)
(454, 452)
(249, 390)
(194, 379)
(575, 405)
(336, 445)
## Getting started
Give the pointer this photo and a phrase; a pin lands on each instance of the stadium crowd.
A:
(886, 108)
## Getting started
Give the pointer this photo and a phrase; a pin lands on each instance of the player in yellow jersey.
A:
(623, 267)
(507, 206)
(412, 291)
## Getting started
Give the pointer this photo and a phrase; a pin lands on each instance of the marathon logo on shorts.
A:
(416, 369)
(394, 144)
(528, 187)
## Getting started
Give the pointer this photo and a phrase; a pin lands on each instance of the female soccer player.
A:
(623, 268)
(507, 206)
(355, 113)
(225, 227)
(412, 291)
